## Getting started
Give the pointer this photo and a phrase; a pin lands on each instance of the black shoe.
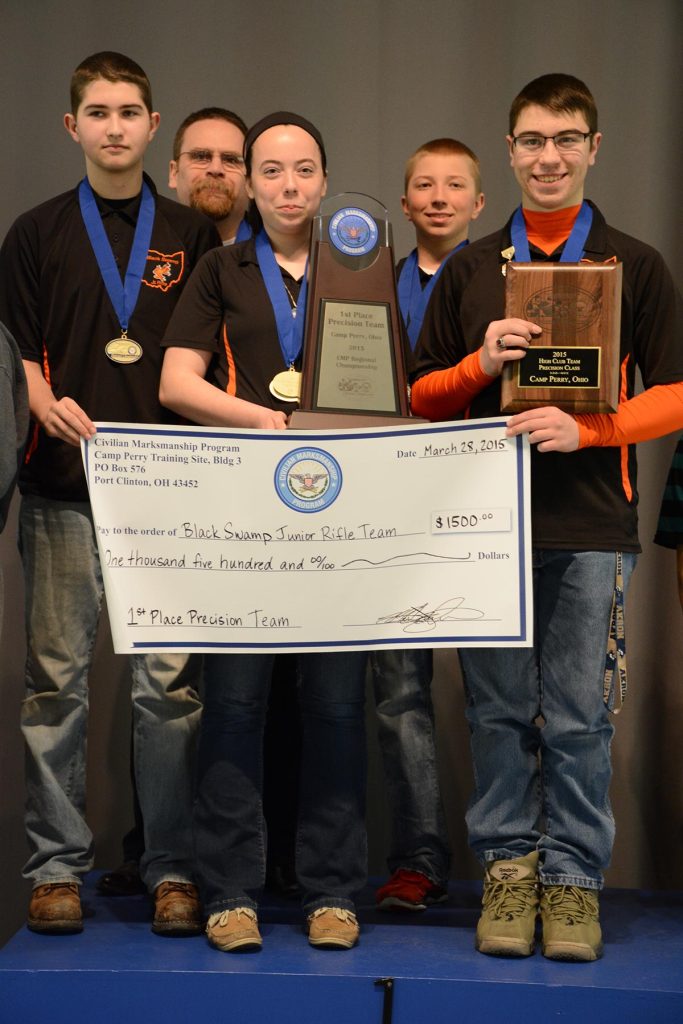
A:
(122, 881)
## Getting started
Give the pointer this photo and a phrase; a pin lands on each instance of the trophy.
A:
(354, 359)
(574, 364)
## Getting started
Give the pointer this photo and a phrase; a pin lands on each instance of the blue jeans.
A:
(540, 730)
(230, 835)
(63, 599)
(402, 681)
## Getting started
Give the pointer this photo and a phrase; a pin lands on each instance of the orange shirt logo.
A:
(163, 270)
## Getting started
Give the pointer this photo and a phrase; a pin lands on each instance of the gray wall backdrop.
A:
(379, 77)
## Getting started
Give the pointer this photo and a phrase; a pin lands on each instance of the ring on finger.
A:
(500, 344)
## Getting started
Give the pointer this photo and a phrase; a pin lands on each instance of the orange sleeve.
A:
(653, 413)
(442, 394)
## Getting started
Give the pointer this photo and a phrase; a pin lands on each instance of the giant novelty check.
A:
(243, 541)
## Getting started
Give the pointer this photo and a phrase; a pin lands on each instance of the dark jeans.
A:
(230, 835)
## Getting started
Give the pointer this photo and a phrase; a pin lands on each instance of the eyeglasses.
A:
(203, 157)
(565, 142)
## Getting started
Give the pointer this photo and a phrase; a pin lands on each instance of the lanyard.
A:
(123, 295)
(614, 691)
(412, 297)
(290, 326)
(573, 247)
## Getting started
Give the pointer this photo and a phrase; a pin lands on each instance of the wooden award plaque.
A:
(574, 364)
(353, 361)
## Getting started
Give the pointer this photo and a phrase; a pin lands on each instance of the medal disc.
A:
(123, 350)
(286, 385)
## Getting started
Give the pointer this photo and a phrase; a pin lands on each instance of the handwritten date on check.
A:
(244, 541)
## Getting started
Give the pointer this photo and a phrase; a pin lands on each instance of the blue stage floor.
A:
(117, 972)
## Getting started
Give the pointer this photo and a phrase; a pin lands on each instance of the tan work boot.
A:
(176, 909)
(571, 924)
(509, 907)
(56, 908)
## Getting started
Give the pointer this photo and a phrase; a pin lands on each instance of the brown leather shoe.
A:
(176, 909)
(55, 908)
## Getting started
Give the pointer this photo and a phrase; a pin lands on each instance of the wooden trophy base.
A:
(302, 419)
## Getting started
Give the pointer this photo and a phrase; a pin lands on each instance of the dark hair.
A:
(282, 117)
(206, 114)
(448, 147)
(562, 94)
(114, 67)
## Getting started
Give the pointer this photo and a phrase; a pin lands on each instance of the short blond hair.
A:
(448, 147)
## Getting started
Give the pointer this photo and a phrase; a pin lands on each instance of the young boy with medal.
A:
(442, 196)
(88, 281)
(233, 358)
(539, 818)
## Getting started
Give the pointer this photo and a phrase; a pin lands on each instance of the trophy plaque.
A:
(353, 359)
(574, 363)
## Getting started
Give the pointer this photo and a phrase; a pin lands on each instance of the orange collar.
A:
(546, 229)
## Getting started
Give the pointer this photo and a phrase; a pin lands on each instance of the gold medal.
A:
(123, 350)
(286, 385)
(507, 254)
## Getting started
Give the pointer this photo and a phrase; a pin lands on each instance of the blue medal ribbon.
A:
(412, 297)
(123, 295)
(573, 247)
(243, 231)
(290, 325)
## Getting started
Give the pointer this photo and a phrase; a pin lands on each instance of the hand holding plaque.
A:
(353, 360)
(574, 363)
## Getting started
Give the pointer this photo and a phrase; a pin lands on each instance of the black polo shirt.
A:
(225, 310)
(54, 301)
(583, 500)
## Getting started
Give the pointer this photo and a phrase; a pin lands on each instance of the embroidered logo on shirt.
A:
(163, 270)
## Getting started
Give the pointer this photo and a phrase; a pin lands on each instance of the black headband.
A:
(282, 117)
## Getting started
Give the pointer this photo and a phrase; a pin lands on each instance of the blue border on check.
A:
(312, 437)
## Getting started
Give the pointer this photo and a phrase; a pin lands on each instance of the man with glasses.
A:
(539, 818)
(207, 169)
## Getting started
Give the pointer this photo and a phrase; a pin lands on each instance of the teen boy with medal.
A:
(442, 197)
(539, 818)
(233, 360)
(87, 283)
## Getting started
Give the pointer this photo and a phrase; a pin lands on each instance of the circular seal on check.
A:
(308, 479)
(353, 231)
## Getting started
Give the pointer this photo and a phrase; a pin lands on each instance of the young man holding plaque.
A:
(88, 281)
(442, 196)
(539, 818)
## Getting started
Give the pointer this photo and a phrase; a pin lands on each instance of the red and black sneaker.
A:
(409, 890)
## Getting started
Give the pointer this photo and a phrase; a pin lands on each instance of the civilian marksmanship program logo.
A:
(308, 479)
(353, 231)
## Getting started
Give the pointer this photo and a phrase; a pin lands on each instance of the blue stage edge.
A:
(118, 972)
